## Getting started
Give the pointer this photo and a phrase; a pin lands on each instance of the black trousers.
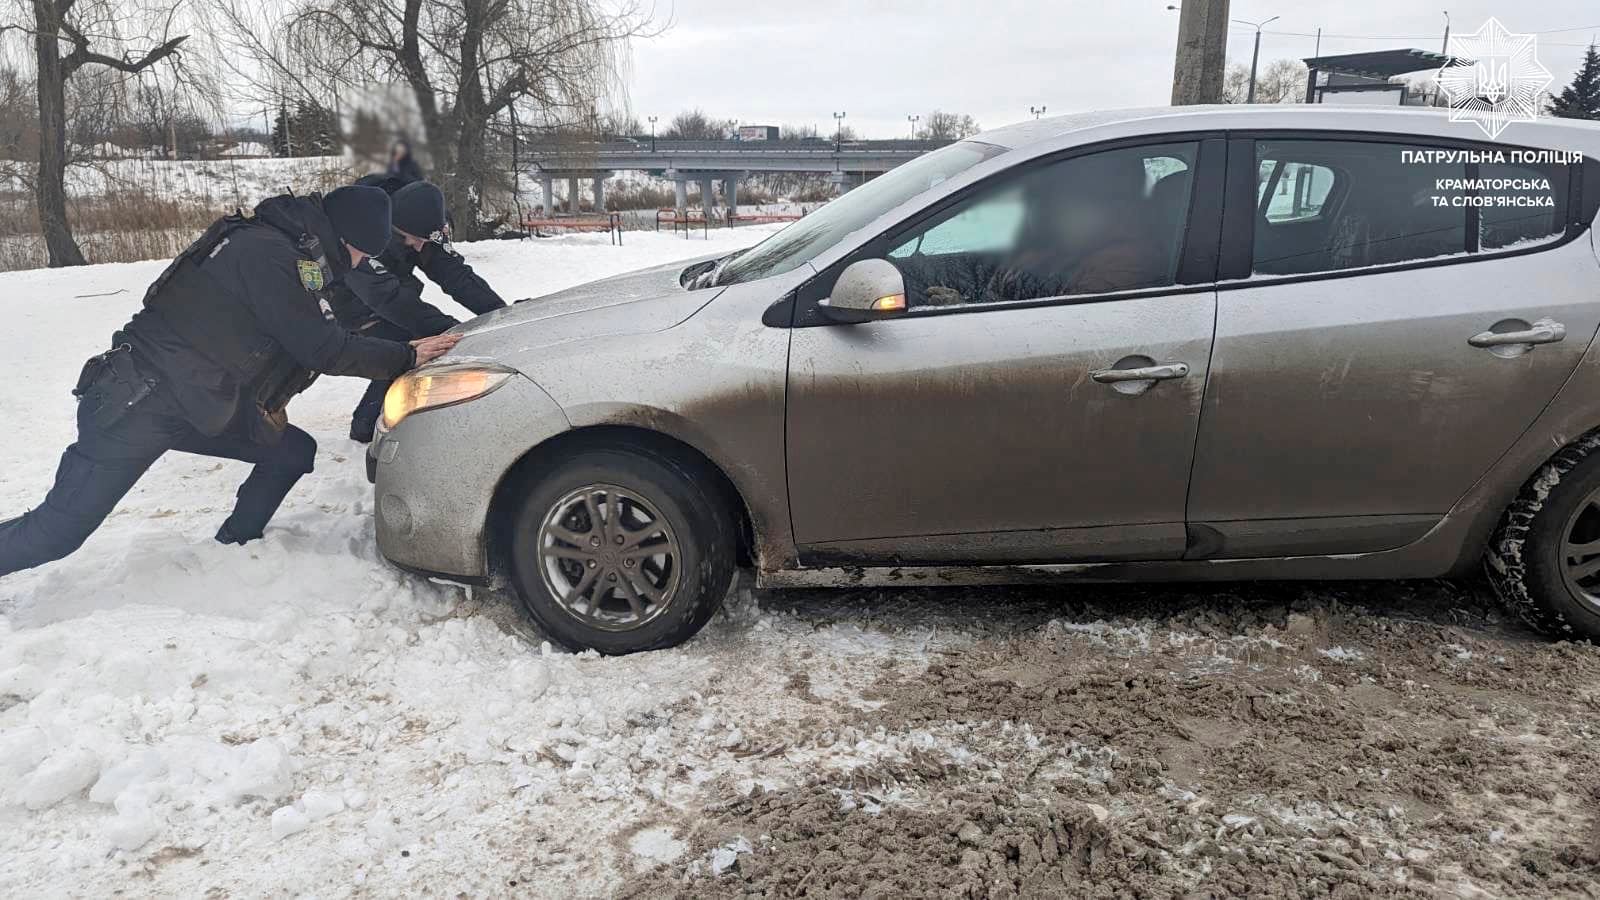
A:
(105, 462)
(365, 417)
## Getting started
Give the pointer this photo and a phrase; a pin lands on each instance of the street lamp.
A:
(1036, 110)
(913, 120)
(652, 134)
(838, 131)
(1255, 57)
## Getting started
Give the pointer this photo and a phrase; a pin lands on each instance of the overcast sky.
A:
(774, 62)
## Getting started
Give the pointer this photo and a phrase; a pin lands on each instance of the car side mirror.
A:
(867, 290)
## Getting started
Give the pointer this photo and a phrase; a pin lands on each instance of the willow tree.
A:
(70, 37)
(466, 63)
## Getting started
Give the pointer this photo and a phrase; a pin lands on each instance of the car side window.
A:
(1521, 205)
(1103, 222)
(1331, 205)
(987, 227)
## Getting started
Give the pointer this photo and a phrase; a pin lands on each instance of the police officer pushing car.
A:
(237, 325)
(383, 297)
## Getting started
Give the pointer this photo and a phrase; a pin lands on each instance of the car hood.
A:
(640, 302)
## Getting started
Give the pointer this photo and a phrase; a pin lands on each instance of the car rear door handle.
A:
(1544, 331)
(1164, 372)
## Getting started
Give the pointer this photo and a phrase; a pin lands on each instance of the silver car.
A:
(1225, 343)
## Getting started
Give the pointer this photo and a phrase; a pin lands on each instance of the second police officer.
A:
(383, 297)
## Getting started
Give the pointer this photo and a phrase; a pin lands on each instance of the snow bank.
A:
(209, 181)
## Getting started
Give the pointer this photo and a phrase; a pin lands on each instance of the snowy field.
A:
(298, 718)
(207, 181)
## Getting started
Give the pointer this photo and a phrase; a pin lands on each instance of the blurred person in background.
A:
(402, 164)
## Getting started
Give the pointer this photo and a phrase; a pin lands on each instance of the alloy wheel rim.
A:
(608, 557)
(1580, 552)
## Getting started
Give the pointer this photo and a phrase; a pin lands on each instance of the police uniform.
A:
(238, 324)
(382, 297)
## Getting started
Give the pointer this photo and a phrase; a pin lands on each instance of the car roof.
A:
(1546, 132)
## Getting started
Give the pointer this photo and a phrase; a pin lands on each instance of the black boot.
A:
(225, 535)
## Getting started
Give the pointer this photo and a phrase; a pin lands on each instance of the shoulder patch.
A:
(310, 274)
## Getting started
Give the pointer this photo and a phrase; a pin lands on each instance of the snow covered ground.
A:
(208, 181)
(298, 718)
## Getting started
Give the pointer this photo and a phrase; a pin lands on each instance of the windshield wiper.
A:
(716, 270)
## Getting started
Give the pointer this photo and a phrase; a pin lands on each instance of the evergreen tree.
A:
(309, 130)
(1581, 99)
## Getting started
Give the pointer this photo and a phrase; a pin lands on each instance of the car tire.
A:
(651, 491)
(1528, 558)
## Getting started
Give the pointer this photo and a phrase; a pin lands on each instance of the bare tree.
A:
(70, 37)
(1282, 81)
(19, 122)
(695, 125)
(947, 126)
(466, 63)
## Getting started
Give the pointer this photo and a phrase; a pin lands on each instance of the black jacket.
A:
(238, 323)
(387, 288)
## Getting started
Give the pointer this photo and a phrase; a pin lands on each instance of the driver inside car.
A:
(1084, 235)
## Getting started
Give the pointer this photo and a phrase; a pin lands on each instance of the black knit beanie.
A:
(360, 216)
(419, 210)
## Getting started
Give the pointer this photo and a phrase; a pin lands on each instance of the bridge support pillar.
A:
(548, 186)
(730, 192)
(707, 198)
(680, 186)
(841, 182)
(572, 195)
(600, 193)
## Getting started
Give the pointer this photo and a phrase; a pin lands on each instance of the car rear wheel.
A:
(621, 550)
(1545, 559)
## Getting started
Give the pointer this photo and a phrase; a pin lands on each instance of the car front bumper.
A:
(434, 476)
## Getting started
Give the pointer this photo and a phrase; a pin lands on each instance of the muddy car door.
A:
(1038, 401)
(1403, 311)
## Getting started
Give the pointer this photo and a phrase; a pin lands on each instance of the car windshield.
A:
(822, 229)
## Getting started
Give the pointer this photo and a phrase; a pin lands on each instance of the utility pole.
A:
(1037, 111)
(652, 134)
(838, 131)
(1202, 57)
(1255, 56)
(913, 120)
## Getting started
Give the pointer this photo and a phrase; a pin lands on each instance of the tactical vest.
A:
(226, 333)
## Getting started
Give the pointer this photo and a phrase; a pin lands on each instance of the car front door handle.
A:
(1164, 372)
(1544, 331)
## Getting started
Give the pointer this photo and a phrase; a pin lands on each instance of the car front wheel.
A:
(1545, 558)
(621, 550)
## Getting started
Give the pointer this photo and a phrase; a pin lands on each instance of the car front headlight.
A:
(424, 389)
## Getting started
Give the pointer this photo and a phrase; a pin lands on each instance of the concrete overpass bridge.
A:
(707, 162)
